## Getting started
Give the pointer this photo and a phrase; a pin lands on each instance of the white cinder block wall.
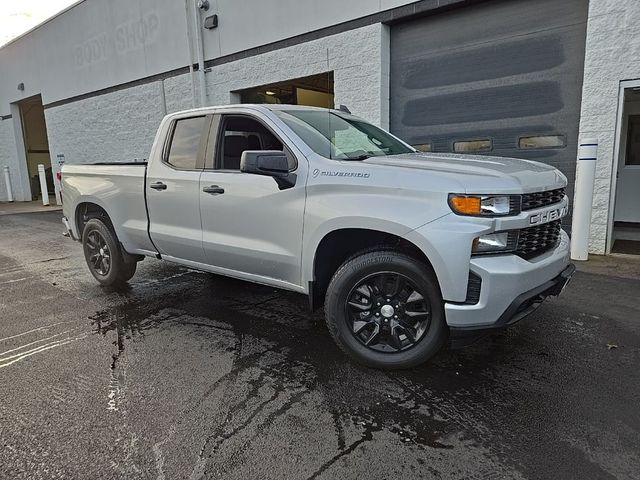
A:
(117, 126)
(612, 54)
(120, 126)
(359, 59)
(9, 157)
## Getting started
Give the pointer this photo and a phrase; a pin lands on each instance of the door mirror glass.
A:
(272, 163)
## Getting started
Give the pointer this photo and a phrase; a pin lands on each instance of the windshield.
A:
(340, 136)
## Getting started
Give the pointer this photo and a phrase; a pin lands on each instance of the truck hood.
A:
(480, 173)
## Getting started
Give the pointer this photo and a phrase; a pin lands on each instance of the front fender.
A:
(313, 240)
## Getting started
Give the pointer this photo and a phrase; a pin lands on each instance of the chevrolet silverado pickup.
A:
(403, 249)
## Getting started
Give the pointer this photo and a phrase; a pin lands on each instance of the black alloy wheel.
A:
(99, 254)
(387, 313)
(105, 258)
(385, 310)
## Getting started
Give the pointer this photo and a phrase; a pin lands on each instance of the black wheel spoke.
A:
(358, 327)
(373, 336)
(414, 314)
(414, 297)
(402, 337)
(406, 330)
(359, 306)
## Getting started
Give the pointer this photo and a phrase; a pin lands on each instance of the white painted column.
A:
(43, 185)
(583, 198)
(7, 181)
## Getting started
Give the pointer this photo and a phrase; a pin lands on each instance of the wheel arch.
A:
(338, 245)
(86, 210)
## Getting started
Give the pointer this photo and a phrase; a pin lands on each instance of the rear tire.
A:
(384, 309)
(104, 256)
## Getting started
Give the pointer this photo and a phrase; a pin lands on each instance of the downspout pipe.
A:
(200, 52)
(194, 100)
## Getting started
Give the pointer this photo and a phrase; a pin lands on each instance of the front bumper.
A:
(522, 306)
(511, 289)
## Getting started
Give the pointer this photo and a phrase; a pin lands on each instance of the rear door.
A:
(173, 190)
(249, 224)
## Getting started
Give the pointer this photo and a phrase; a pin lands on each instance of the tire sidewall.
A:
(115, 270)
(354, 271)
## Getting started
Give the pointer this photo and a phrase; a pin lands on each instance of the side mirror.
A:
(272, 163)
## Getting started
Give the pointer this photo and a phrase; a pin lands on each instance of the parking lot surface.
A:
(189, 375)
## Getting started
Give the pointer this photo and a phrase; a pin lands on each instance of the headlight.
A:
(485, 205)
(496, 242)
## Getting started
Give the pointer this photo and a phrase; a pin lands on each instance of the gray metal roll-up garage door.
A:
(499, 77)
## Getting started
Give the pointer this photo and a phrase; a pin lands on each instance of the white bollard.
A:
(7, 181)
(583, 198)
(43, 185)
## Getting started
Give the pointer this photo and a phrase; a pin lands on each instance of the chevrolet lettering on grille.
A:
(548, 215)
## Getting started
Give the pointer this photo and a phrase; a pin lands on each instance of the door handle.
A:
(158, 186)
(213, 190)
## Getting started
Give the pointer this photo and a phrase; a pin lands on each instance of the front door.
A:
(627, 208)
(173, 190)
(250, 226)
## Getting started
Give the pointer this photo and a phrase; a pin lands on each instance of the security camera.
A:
(203, 5)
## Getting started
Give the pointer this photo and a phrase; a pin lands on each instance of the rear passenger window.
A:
(185, 143)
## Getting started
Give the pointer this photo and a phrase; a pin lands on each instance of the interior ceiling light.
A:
(269, 92)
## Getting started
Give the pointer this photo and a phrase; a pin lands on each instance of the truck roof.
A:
(257, 106)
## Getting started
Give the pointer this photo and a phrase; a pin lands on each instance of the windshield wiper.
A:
(362, 156)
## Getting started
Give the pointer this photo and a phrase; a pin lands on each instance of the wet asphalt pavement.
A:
(189, 375)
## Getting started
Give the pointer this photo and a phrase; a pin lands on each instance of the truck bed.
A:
(118, 188)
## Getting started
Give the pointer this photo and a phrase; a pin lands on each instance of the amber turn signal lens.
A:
(465, 205)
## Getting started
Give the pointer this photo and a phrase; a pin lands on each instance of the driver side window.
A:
(239, 133)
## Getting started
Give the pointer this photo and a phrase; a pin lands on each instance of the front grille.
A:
(536, 240)
(542, 199)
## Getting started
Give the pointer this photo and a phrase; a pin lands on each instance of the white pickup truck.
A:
(405, 249)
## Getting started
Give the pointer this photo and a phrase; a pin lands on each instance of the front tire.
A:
(104, 256)
(385, 310)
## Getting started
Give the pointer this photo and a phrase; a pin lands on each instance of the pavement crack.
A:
(366, 437)
(50, 260)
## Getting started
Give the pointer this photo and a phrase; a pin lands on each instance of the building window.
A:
(424, 147)
(472, 146)
(542, 141)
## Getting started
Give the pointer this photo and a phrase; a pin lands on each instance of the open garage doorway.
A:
(36, 144)
(314, 91)
(626, 217)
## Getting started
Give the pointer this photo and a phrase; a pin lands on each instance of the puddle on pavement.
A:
(295, 355)
(306, 357)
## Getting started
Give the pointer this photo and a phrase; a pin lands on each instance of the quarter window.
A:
(469, 146)
(185, 143)
(541, 141)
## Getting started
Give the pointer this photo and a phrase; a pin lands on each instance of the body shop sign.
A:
(125, 38)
